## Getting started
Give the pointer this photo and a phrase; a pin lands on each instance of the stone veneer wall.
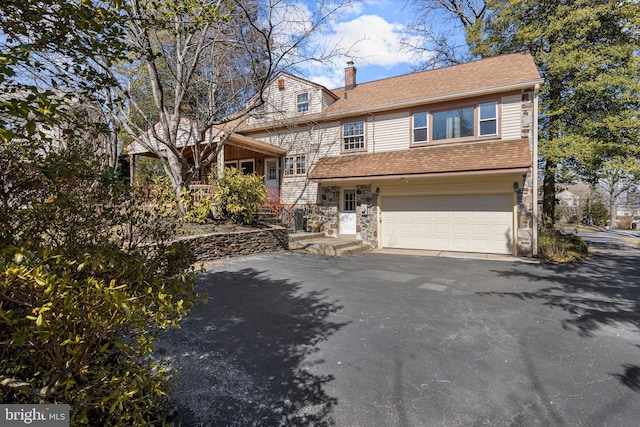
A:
(222, 245)
(325, 216)
(525, 218)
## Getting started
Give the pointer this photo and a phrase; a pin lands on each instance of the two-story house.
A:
(443, 160)
(439, 160)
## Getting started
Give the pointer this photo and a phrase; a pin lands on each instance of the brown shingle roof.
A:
(490, 73)
(463, 157)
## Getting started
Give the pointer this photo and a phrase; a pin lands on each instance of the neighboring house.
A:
(568, 199)
(441, 160)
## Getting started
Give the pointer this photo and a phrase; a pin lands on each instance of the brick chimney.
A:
(349, 76)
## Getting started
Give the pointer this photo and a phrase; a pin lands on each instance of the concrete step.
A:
(350, 250)
(327, 246)
(293, 237)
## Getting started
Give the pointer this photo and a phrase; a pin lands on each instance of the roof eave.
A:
(522, 169)
(398, 105)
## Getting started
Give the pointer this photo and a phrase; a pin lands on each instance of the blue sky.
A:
(375, 29)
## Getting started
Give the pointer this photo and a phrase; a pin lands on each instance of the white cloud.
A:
(374, 40)
(371, 40)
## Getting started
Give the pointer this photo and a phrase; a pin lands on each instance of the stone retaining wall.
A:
(222, 245)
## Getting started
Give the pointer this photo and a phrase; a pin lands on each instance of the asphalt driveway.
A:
(392, 340)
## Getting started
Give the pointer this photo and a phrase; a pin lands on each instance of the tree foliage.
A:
(88, 276)
(52, 67)
(442, 43)
(201, 68)
(239, 196)
(587, 52)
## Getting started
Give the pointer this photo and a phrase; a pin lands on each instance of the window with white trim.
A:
(302, 102)
(353, 136)
(420, 128)
(272, 170)
(295, 165)
(488, 116)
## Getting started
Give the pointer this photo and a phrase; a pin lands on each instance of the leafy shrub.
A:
(624, 222)
(89, 278)
(196, 212)
(562, 248)
(239, 196)
(165, 201)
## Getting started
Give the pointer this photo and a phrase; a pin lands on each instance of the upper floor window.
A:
(295, 165)
(302, 102)
(473, 121)
(488, 119)
(453, 124)
(353, 136)
(420, 128)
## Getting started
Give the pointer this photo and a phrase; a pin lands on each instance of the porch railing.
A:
(200, 191)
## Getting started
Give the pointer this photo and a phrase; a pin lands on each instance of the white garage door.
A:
(469, 223)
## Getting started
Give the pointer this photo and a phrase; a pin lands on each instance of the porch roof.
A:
(235, 139)
(451, 159)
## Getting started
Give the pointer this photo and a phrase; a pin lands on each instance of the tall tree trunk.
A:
(549, 196)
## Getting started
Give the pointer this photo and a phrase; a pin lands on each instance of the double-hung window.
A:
(420, 128)
(488, 115)
(353, 136)
(302, 102)
(295, 165)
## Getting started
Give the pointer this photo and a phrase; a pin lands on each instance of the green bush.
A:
(239, 196)
(89, 278)
(561, 248)
(196, 212)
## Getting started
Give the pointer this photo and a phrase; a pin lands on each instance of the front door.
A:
(272, 179)
(348, 212)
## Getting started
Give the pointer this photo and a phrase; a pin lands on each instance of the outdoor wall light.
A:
(516, 187)
(377, 190)
(404, 180)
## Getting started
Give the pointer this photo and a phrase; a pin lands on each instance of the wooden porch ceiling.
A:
(255, 145)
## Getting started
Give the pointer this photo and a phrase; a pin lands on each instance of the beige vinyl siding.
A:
(389, 132)
(297, 191)
(330, 138)
(327, 99)
(449, 185)
(511, 117)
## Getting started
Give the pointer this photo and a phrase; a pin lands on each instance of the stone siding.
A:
(223, 245)
(525, 218)
(325, 217)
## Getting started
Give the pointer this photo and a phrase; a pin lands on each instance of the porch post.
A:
(132, 170)
(220, 160)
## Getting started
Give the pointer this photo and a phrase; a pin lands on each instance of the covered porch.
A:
(246, 154)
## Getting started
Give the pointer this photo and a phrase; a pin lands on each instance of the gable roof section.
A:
(302, 80)
(478, 157)
(490, 75)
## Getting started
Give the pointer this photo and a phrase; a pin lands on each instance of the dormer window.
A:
(302, 102)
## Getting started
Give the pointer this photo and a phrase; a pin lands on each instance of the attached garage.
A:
(463, 223)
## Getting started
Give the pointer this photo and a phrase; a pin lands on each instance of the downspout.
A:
(534, 239)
